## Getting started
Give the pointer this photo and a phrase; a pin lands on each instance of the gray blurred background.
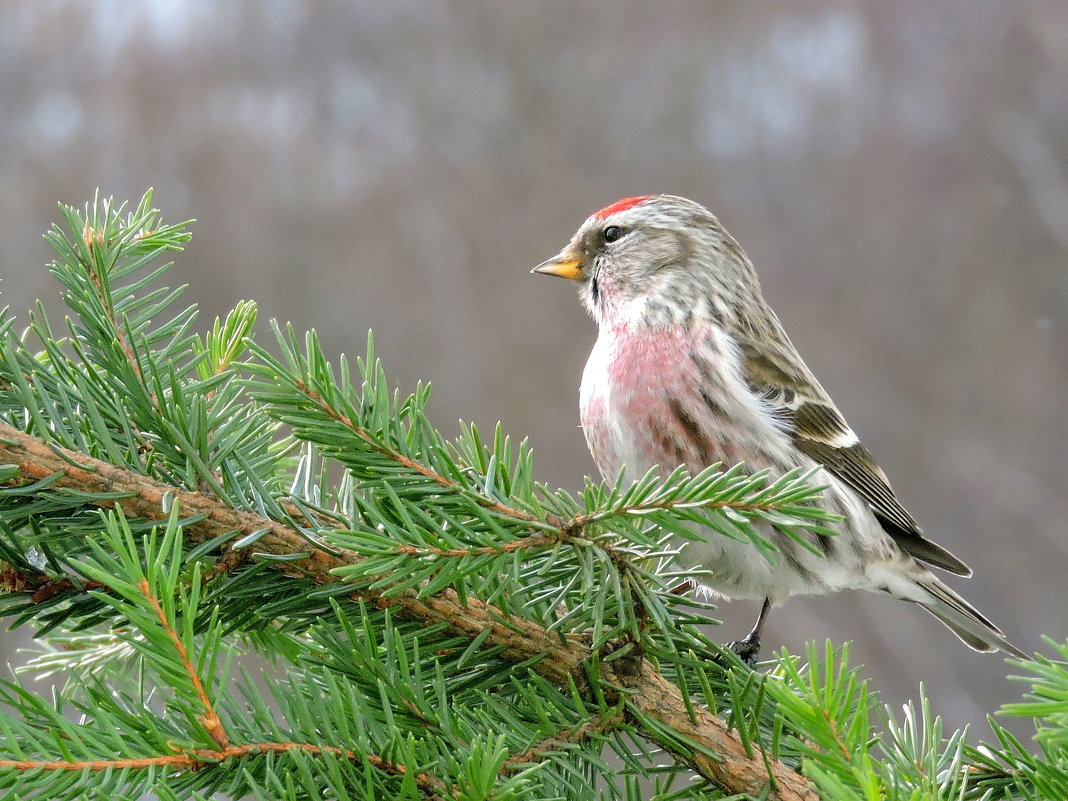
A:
(898, 172)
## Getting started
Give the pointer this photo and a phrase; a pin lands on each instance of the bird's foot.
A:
(626, 657)
(746, 650)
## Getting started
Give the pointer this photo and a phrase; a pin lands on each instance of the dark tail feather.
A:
(965, 620)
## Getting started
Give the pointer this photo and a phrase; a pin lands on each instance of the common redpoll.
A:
(692, 367)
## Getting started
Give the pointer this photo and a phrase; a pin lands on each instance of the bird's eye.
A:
(612, 233)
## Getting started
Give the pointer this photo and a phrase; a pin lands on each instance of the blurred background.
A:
(898, 172)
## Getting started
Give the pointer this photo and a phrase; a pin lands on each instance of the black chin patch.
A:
(595, 291)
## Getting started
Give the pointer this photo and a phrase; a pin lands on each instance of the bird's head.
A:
(654, 259)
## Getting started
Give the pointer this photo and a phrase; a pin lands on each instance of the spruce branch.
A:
(717, 753)
(443, 626)
(148, 596)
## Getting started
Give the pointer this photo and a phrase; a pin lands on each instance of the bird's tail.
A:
(965, 620)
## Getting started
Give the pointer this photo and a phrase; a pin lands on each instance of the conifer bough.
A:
(441, 626)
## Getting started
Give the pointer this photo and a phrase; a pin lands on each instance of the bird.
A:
(691, 367)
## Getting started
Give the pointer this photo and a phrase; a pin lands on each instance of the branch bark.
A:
(648, 692)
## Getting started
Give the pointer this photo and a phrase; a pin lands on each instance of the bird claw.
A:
(625, 656)
(747, 650)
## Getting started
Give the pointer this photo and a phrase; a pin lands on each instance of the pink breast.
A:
(643, 405)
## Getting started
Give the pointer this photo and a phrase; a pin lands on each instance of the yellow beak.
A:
(563, 265)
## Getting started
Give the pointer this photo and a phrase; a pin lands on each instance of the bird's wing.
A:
(802, 407)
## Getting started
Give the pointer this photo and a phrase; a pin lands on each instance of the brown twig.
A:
(539, 539)
(210, 718)
(578, 522)
(203, 757)
(598, 725)
(94, 242)
(557, 659)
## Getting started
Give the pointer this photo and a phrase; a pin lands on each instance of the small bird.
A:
(692, 367)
